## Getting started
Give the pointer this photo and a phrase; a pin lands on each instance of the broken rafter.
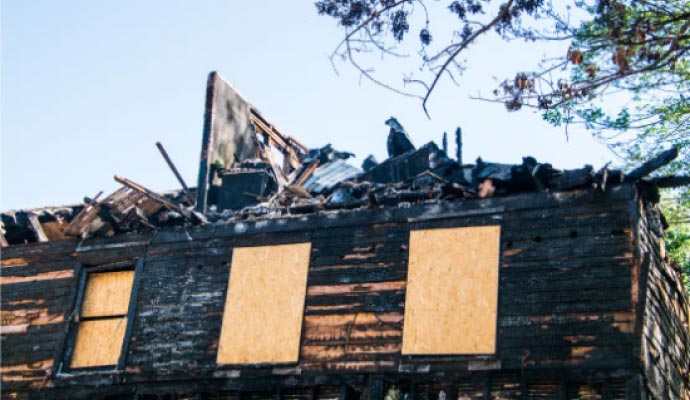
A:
(290, 147)
(188, 195)
(652, 165)
(308, 171)
(94, 200)
(288, 140)
(281, 179)
(80, 223)
(152, 195)
(37, 228)
(667, 182)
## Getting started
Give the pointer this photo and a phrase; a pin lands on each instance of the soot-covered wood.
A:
(566, 313)
(665, 334)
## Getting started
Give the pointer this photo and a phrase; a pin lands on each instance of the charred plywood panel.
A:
(228, 135)
(99, 342)
(452, 291)
(262, 321)
(107, 294)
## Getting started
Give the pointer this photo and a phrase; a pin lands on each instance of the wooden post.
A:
(376, 389)
(314, 393)
(451, 392)
(458, 144)
(564, 391)
(347, 393)
(524, 389)
(486, 389)
(607, 391)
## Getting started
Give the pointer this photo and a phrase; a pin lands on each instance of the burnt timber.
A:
(588, 306)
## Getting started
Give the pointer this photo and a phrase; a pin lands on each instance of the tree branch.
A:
(501, 15)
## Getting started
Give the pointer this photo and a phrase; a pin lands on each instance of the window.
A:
(262, 320)
(106, 302)
(452, 291)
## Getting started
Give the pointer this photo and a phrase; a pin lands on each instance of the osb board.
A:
(452, 291)
(263, 313)
(107, 293)
(99, 342)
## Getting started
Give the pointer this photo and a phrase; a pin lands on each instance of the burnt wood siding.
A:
(38, 285)
(566, 314)
(665, 334)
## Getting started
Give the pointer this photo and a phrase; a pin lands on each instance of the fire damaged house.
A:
(290, 273)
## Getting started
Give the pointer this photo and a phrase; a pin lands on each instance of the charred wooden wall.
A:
(665, 331)
(568, 319)
(38, 284)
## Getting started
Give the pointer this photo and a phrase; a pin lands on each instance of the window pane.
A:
(107, 293)
(262, 321)
(452, 291)
(99, 342)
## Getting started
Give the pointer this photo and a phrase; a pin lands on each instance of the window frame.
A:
(82, 272)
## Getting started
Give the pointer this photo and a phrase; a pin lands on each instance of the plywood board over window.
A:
(262, 321)
(107, 294)
(452, 291)
(99, 342)
(103, 319)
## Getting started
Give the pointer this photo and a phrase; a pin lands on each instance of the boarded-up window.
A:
(103, 319)
(452, 291)
(262, 321)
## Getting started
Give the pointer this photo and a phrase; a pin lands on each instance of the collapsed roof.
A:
(241, 176)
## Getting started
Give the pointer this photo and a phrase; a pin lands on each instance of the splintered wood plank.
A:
(452, 291)
(99, 343)
(264, 307)
(107, 293)
(45, 276)
(3, 241)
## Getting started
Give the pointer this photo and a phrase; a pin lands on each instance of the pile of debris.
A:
(242, 177)
(323, 181)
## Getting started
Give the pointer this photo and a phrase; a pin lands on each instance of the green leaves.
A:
(675, 205)
(639, 51)
(635, 53)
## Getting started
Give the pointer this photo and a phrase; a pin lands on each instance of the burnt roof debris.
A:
(306, 180)
(327, 176)
(402, 167)
(399, 141)
(369, 162)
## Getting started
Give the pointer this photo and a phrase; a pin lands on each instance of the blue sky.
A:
(88, 87)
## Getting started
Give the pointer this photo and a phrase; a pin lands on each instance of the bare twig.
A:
(460, 48)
